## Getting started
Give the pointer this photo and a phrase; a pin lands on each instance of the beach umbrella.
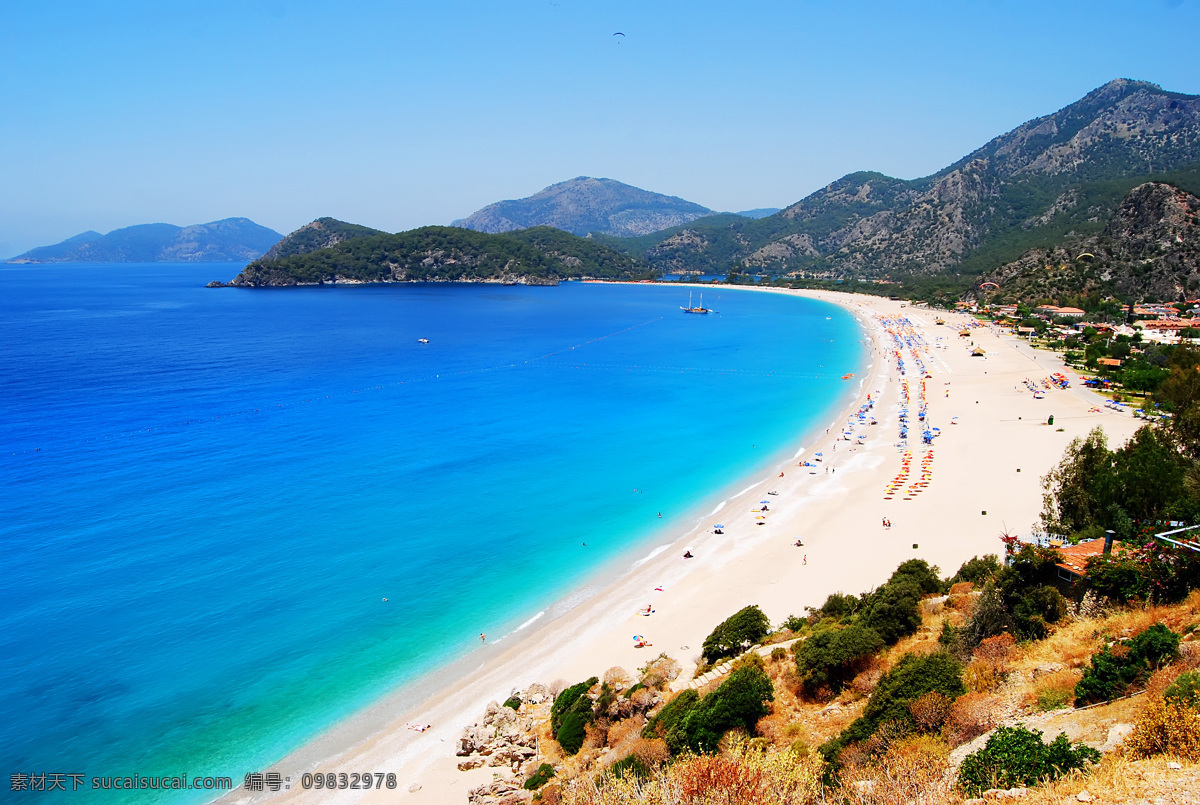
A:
(718, 525)
(820, 454)
(764, 501)
(638, 637)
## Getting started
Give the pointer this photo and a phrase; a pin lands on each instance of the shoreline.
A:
(745, 565)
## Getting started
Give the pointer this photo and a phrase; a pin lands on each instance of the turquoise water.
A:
(208, 493)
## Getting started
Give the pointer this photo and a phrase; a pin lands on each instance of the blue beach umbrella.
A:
(718, 525)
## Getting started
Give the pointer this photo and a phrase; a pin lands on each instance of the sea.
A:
(232, 518)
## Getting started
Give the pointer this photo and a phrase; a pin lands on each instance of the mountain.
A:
(539, 255)
(584, 206)
(228, 240)
(760, 212)
(1148, 250)
(1056, 174)
(320, 234)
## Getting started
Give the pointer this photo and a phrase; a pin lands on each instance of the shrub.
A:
(1114, 669)
(977, 570)
(514, 702)
(740, 701)
(971, 715)
(989, 618)
(996, 650)
(1055, 690)
(1117, 577)
(667, 723)
(1017, 757)
(912, 770)
(833, 657)
(573, 700)
(572, 732)
(659, 672)
(794, 623)
(630, 766)
(837, 606)
(893, 611)
(1036, 609)
(617, 677)
(737, 633)
(1185, 689)
(914, 675)
(539, 778)
(929, 711)
(1166, 727)
(982, 677)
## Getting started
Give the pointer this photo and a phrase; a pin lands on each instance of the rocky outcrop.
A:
(505, 738)
(1149, 249)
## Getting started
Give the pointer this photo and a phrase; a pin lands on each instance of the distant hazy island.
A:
(225, 241)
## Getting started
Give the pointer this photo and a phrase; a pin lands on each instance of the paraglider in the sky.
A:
(986, 284)
(618, 33)
(1086, 256)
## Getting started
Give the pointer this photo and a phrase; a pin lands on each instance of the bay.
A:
(208, 493)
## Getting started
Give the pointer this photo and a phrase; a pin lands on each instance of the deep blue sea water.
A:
(207, 493)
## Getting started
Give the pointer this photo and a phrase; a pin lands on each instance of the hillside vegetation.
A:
(444, 254)
(1065, 172)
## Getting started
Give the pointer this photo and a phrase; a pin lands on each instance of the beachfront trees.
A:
(1093, 486)
(738, 632)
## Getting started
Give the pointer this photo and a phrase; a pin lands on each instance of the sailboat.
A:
(690, 309)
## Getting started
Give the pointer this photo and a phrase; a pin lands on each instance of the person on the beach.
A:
(806, 559)
(687, 554)
(482, 637)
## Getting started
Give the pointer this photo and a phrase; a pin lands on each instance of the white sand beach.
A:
(982, 478)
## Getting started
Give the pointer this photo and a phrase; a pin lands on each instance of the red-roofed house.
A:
(1074, 564)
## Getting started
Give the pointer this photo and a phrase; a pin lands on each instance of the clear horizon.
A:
(397, 117)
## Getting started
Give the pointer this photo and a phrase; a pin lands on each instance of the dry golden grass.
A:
(1055, 690)
(1118, 779)
(1165, 728)
(913, 771)
(741, 777)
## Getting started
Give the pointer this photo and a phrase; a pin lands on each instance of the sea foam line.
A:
(720, 506)
(651, 555)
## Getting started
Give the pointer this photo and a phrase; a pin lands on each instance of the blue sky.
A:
(402, 114)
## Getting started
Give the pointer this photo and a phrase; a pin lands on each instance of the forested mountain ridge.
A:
(1148, 250)
(583, 206)
(227, 240)
(320, 234)
(1063, 172)
(539, 255)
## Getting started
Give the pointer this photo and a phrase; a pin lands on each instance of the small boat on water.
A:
(690, 309)
(422, 340)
